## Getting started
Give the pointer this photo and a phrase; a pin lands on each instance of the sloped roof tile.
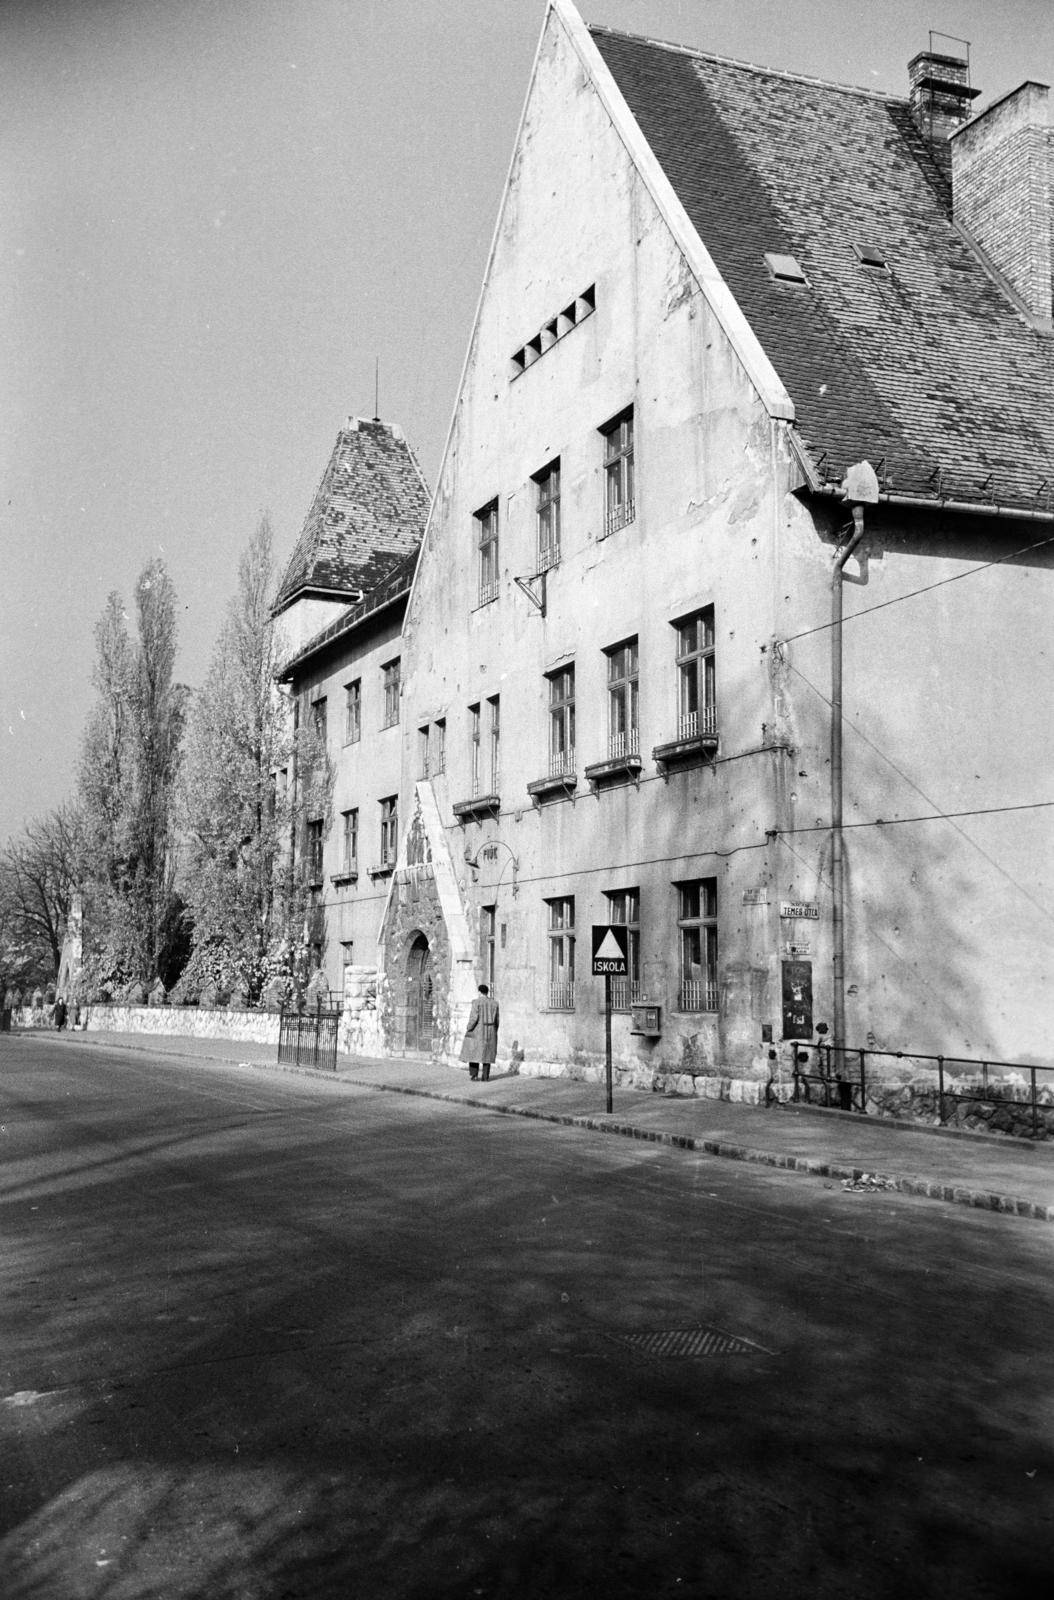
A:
(929, 370)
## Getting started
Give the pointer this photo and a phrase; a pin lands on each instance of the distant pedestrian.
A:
(480, 1045)
(60, 1013)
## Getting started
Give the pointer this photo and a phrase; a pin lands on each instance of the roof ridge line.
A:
(749, 66)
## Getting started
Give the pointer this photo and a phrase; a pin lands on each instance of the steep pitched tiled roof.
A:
(368, 513)
(929, 370)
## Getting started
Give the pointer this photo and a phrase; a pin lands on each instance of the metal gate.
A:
(308, 1039)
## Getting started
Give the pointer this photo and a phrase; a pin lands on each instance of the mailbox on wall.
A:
(646, 1020)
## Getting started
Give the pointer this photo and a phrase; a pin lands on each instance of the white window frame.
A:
(697, 944)
(486, 520)
(562, 719)
(561, 938)
(696, 674)
(547, 515)
(619, 471)
(391, 672)
(623, 685)
(624, 912)
(353, 711)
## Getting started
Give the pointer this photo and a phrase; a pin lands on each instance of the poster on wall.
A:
(797, 999)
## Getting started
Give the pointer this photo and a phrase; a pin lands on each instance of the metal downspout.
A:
(837, 848)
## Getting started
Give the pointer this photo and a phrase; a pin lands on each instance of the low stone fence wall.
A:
(252, 1027)
(359, 1032)
(913, 1100)
(1010, 1113)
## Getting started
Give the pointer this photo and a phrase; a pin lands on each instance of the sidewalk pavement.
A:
(1012, 1176)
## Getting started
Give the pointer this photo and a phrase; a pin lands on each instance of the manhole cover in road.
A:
(689, 1342)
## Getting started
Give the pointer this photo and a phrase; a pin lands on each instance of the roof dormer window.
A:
(784, 269)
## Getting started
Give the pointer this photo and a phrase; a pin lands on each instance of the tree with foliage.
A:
(129, 766)
(237, 814)
(38, 878)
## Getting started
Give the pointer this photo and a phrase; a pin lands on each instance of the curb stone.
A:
(978, 1199)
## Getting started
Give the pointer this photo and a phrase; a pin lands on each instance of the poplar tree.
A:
(129, 765)
(236, 815)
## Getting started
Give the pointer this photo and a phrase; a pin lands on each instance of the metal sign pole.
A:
(607, 1036)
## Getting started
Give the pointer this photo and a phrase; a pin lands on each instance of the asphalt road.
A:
(266, 1339)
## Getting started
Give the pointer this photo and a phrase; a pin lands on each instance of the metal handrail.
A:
(836, 1061)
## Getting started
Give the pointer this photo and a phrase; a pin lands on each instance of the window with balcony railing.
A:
(624, 909)
(487, 540)
(562, 954)
(562, 721)
(697, 712)
(623, 737)
(697, 929)
(548, 516)
(619, 503)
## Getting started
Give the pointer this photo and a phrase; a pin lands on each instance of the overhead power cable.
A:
(896, 599)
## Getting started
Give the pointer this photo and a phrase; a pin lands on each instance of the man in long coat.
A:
(480, 1045)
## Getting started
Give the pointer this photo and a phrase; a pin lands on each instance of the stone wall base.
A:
(739, 1091)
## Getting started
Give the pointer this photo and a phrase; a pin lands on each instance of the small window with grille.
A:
(548, 515)
(697, 709)
(623, 736)
(562, 954)
(697, 931)
(624, 910)
(619, 502)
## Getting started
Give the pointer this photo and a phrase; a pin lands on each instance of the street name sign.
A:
(800, 909)
(610, 951)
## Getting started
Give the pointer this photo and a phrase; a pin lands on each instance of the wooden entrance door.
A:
(419, 996)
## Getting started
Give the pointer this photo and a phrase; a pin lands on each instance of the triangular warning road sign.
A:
(609, 948)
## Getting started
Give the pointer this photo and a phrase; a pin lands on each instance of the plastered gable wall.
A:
(578, 214)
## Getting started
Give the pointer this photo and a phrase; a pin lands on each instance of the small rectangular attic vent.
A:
(785, 269)
(872, 256)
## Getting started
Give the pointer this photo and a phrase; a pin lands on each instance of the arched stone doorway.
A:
(419, 1006)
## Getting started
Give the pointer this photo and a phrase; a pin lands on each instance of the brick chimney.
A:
(1001, 190)
(940, 92)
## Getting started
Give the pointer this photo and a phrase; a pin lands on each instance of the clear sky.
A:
(215, 215)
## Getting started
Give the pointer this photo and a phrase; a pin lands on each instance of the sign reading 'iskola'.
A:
(806, 909)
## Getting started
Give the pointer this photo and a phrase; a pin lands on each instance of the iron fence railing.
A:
(844, 1072)
(308, 1038)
